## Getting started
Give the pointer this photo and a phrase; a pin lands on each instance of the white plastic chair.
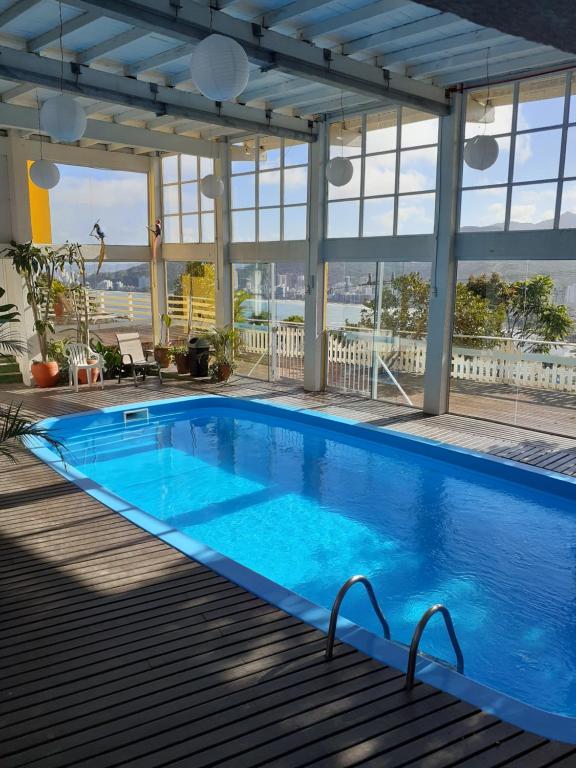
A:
(78, 355)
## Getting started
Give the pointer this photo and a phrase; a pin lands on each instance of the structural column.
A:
(315, 270)
(223, 287)
(444, 268)
(157, 266)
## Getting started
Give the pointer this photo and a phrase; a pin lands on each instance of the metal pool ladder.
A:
(418, 632)
(420, 627)
(336, 610)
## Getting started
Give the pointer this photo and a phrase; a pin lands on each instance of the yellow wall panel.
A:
(39, 212)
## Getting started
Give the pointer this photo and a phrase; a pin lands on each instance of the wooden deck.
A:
(117, 650)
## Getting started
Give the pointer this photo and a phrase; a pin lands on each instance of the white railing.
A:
(281, 344)
(120, 305)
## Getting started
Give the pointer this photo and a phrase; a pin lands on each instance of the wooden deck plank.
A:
(116, 650)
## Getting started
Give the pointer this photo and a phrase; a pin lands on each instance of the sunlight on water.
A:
(308, 509)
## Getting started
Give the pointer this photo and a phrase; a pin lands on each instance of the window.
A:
(191, 296)
(117, 199)
(393, 189)
(189, 216)
(269, 189)
(531, 184)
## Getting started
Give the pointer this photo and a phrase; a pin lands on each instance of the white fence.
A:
(281, 347)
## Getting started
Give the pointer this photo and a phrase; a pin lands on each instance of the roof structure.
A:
(128, 63)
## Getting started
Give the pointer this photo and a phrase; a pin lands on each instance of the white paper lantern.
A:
(481, 152)
(339, 171)
(62, 118)
(212, 186)
(44, 174)
(219, 68)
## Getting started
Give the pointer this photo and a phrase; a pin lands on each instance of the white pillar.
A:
(157, 268)
(315, 270)
(444, 268)
(223, 287)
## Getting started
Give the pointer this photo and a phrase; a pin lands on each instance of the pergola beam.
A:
(161, 100)
(465, 42)
(53, 35)
(153, 62)
(194, 22)
(108, 46)
(412, 29)
(104, 132)
(291, 10)
(16, 10)
(342, 20)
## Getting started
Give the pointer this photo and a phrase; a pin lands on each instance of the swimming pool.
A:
(290, 504)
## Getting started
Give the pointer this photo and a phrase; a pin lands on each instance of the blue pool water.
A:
(308, 507)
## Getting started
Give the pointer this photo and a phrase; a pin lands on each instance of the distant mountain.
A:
(567, 221)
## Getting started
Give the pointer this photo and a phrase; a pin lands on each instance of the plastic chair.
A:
(78, 355)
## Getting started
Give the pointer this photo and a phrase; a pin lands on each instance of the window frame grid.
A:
(181, 213)
(509, 185)
(396, 194)
(281, 205)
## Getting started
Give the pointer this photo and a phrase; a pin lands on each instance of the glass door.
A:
(253, 310)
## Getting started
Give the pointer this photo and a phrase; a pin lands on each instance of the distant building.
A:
(105, 285)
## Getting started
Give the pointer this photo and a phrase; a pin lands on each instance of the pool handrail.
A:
(417, 636)
(358, 579)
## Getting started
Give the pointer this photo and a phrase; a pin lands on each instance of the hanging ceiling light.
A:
(481, 152)
(62, 118)
(44, 174)
(212, 186)
(219, 68)
(339, 171)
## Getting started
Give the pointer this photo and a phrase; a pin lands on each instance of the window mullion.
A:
(511, 158)
(562, 164)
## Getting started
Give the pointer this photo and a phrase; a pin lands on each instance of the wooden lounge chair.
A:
(132, 355)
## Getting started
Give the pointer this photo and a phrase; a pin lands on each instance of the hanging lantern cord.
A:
(39, 126)
(61, 49)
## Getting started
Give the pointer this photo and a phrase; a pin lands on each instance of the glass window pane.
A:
(295, 185)
(269, 153)
(171, 200)
(170, 169)
(269, 224)
(570, 161)
(568, 208)
(416, 214)
(269, 188)
(206, 203)
(533, 206)
(496, 174)
(188, 167)
(242, 155)
(189, 194)
(541, 102)
(350, 287)
(380, 175)
(418, 170)
(381, 132)
(206, 166)
(190, 231)
(572, 116)
(244, 226)
(243, 191)
(295, 223)
(295, 152)
(208, 230)
(343, 219)
(537, 155)
(483, 209)
(418, 128)
(378, 217)
(489, 111)
(171, 231)
(346, 138)
(352, 189)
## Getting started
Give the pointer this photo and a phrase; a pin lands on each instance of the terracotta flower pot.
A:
(58, 309)
(83, 374)
(45, 374)
(162, 355)
(182, 362)
(224, 371)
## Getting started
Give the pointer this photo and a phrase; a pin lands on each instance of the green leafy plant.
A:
(165, 323)
(56, 352)
(9, 344)
(294, 319)
(39, 267)
(111, 356)
(16, 431)
(226, 342)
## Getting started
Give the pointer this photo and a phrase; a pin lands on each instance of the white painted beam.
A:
(507, 67)
(342, 20)
(194, 22)
(490, 56)
(411, 30)
(108, 46)
(25, 118)
(17, 9)
(117, 89)
(153, 62)
(468, 41)
(290, 11)
(18, 90)
(53, 35)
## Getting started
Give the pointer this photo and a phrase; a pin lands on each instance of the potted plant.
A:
(39, 267)
(58, 294)
(181, 358)
(225, 343)
(163, 351)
